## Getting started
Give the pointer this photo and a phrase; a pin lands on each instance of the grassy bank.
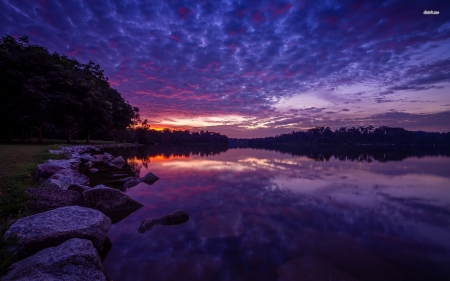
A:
(17, 165)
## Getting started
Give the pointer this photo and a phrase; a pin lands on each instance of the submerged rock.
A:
(44, 199)
(149, 178)
(75, 259)
(177, 217)
(67, 177)
(53, 227)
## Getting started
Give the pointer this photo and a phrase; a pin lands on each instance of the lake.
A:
(266, 215)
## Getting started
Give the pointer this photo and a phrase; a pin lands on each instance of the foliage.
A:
(145, 135)
(350, 136)
(39, 91)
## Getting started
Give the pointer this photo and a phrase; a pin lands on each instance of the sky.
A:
(257, 68)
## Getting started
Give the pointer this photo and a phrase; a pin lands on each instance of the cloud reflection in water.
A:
(253, 211)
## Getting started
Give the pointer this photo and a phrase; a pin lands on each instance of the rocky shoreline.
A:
(69, 220)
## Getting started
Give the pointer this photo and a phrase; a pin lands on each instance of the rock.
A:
(93, 170)
(149, 178)
(109, 200)
(120, 175)
(52, 184)
(107, 156)
(177, 217)
(44, 199)
(51, 228)
(110, 164)
(89, 164)
(97, 158)
(75, 259)
(87, 157)
(78, 187)
(227, 225)
(47, 169)
(127, 179)
(56, 151)
(100, 186)
(68, 177)
(131, 182)
(311, 269)
(118, 160)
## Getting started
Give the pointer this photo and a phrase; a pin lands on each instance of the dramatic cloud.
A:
(248, 63)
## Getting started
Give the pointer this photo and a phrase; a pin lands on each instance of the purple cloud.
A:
(217, 58)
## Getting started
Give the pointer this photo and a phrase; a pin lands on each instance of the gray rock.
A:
(52, 184)
(56, 151)
(87, 157)
(149, 178)
(131, 182)
(78, 187)
(93, 170)
(68, 177)
(97, 158)
(47, 169)
(51, 228)
(118, 160)
(177, 217)
(75, 259)
(44, 199)
(107, 156)
(107, 200)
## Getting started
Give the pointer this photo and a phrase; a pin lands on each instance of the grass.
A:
(17, 165)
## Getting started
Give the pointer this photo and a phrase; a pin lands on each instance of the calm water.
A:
(265, 215)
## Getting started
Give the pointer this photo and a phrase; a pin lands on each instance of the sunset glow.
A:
(252, 69)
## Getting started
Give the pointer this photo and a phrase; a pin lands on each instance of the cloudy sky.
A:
(257, 68)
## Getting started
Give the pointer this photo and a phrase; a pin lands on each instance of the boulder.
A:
(52, 184)
(68, 177)
(131, 182)
(97, 158)
(118, 160)
(47, 169)
(93, 170)
(107, 156)
(51, 228)
(112, 202)
(75, 259)
(78, 188)
(89, 164)
(107, 199)
(44, 199)
(177, 217)
(149, 178)
(87, 156)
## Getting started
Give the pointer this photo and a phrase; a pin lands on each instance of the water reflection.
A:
(259, 215)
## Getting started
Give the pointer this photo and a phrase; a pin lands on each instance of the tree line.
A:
(351, 136)
(51, 94)
(145, 135)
